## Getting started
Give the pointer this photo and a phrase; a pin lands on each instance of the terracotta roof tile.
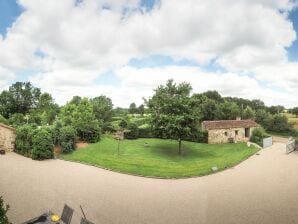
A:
(225, 124)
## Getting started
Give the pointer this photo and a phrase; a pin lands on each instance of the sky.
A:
(126, 48)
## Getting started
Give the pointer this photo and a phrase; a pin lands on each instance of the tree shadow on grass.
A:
(170, 152)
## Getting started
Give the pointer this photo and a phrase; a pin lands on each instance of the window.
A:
(236, 132)
(226, 133)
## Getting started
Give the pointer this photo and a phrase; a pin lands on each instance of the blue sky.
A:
(158, 42)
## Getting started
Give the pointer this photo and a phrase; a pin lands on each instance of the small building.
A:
(7, 138)
(225, 131)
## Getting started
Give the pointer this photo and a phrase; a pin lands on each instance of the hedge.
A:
(42, 145)
(24, 136)
(67, 139)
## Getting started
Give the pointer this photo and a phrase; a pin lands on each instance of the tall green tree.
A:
(133, 108)
(248, 113)
(227, 111)
(21, 97)
(173, 111)
(102, 107)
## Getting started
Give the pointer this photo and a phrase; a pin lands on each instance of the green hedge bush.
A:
(258, 134)
(3, 212)
(24, 136)
(42, 144)
(145, 131)
(133, 131)
(67, 139)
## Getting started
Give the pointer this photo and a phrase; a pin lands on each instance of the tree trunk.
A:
(180, 143)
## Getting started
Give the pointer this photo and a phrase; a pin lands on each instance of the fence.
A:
(290, 146)
(267, 142)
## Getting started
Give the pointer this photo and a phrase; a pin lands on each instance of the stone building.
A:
(7, 138)
(229, 130)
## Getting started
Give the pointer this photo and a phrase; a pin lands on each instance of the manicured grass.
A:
(160, 158)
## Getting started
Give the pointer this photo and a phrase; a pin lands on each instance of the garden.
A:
(159, 158)
(161, 137)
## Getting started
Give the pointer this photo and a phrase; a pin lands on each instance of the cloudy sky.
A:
(125, 48)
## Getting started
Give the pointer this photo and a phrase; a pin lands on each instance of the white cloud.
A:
(80, 41)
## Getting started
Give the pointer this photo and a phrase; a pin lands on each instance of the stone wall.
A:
(223, 135)
(7, 138)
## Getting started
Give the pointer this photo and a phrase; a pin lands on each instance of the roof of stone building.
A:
(6, 126)
(226, 124)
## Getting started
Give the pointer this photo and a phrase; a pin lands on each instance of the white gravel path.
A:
(262, 189)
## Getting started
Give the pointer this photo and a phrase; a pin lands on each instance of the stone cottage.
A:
(225, 131)
(7, 137)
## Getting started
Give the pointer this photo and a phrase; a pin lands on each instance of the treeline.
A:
(172, 112)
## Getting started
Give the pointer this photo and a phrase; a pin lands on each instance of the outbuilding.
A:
(7, 138)
(229, 131)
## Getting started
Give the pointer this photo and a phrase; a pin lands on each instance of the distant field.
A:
(292, 119)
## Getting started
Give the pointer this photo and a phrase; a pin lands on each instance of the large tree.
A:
(102, 107)
(21, 97)
(173, 111)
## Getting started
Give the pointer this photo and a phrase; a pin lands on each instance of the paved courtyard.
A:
(262, 189)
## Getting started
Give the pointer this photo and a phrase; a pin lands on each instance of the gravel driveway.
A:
(262, 189)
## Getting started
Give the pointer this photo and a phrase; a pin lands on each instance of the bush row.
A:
(145, 131)
(38, 143)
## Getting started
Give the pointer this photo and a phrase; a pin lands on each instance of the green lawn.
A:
(160, 158)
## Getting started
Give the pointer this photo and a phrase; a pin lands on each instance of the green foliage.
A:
(263, 118)
(145, 131)
(24, 136)
(209, 110)
(3, 120)
(133, 108)
(82, 118)
(158, 157)
(102, 107)
(248, 113)
(17, 120)
(56, 127)
(173, 111)
(123, 124)
(276, 109)
(42, 144)
(213, 95)
(3, 212)
(198, 136)
(132, 131)
(227, 111)
(67, 139)
(279, 123)
(258, 134)
(20, 98)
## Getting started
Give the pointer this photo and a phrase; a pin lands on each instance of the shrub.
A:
(279, 123)
(123, 124)
(258, 134)
(108, 127)
(42, 144)
(56, 132)
(198, 136)
(3, 120)
(3, 211)
(133, 131)
(67, 139)
(89, 132)
(145, 131)
(24, 135)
